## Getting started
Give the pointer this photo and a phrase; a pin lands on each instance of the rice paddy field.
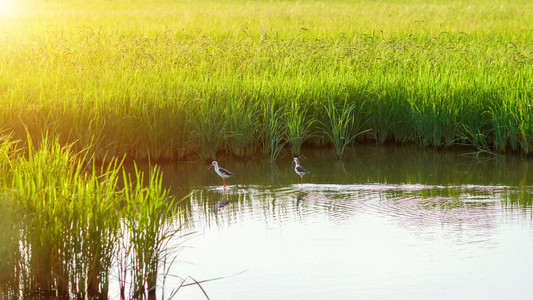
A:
(167, 80)
(85, 85)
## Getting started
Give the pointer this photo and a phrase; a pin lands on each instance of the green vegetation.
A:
(87, 82)
(298, 126)
(342, 127)
(66, 221)
(175, 79)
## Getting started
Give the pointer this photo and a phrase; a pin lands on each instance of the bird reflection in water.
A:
(221, 203)
(299, 198)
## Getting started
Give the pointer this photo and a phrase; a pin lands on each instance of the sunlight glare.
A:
(6, 7)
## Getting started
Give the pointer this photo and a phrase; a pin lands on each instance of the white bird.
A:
(222, 172)
(299, 169)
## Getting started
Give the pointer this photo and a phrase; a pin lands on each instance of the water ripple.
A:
(412, 205)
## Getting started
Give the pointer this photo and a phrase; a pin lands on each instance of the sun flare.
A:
(6, 7)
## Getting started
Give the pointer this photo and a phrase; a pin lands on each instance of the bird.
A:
(299, 169)
(222, 172)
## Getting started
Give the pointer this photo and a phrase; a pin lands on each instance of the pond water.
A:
(382, 223)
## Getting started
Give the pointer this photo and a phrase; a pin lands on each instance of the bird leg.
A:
(224, 179)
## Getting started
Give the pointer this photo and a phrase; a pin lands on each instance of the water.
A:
(383, 223)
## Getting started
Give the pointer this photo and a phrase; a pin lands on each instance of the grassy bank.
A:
(177, 79)
(69, 226)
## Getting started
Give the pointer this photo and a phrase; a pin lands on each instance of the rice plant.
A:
(242, 121)
(148, 221)
(162, 79)
(274, 130)
(341, 125)
(63, 215)
(210, 129)
(72, 238)
(299, 126)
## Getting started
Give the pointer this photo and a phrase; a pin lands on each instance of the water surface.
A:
(383, 223)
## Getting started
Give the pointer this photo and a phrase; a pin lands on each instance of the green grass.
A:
(147, 78)
(242, 122)
(274, 130)
(299, 126)
(149, 227)
(65, 221)
(343, 123)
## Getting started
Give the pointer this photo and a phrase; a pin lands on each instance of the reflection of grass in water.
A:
(461, 197)
(63, 216)
(522, 197)
(9, 254)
